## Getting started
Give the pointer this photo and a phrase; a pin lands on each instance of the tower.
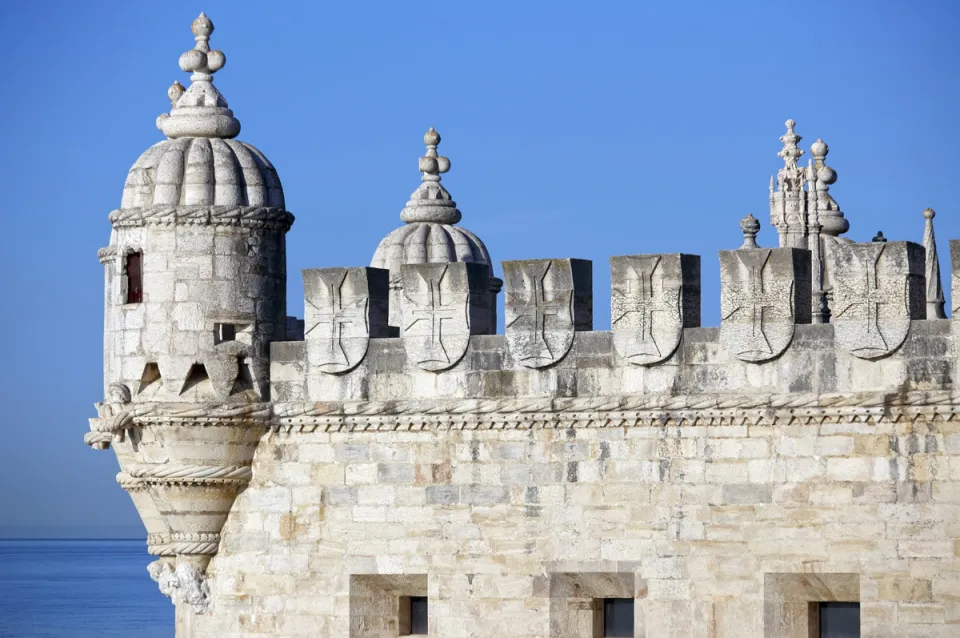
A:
(195, 279)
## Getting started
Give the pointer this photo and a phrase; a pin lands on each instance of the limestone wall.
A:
(712, 524)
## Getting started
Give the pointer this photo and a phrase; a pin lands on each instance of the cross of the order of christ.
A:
(333, 316)
(756, 299)
(535, 308)
(864, 301)
(643, 298)
(434, 309)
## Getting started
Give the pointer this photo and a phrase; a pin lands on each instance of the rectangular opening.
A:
(384, 605)
(838, 619)
(413, 616)
(223, 332)
(133, 269)
(617, 617)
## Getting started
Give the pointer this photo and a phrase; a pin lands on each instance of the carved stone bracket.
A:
(654, 297)
(183, 583)
(878, 290)
(764, 293)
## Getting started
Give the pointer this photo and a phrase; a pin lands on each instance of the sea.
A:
(80, 589)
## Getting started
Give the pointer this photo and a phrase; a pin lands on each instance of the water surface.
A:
(80, 589)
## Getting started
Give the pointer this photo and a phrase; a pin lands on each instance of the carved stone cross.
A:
(547, 301)
(432, 313)
(878, 290)
(339, 312)
(760, 289)
(653, 298)
(344, 307)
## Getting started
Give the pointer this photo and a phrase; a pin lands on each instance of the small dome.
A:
(424, 243)
(190, 171)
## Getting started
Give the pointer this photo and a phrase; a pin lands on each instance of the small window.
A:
(618, 617)
(839, 620)
(413, 616)
(224, 332)
(134, 272)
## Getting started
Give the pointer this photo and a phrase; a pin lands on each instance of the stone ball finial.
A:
(750, 227)
(929, 213)
(819, 149)
(790, 124)
(202, 27)
(879, 238)
(432, 164)
(175, 92)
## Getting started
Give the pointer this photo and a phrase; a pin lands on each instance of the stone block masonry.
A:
(394, 456)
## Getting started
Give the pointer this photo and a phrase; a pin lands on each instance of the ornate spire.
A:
(750, 227)
(200, 110)
(790, 177)
(934, 287)
(431, 202)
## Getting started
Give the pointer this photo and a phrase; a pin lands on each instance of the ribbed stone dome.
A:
(191, 171)
(425, 242)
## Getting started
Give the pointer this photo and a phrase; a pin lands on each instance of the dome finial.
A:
(200, 110)
(433, 165)
(431, 202)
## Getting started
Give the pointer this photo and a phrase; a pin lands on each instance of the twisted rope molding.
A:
(622, 403)
(175, 471)
(195, 543)
(253, 216)
(606, 411)
(142, 476)
(107, 254)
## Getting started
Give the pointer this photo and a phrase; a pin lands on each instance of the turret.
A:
(431, 236)
(195, 277)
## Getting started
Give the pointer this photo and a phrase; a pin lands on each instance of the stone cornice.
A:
(249, 216)
(551, 413)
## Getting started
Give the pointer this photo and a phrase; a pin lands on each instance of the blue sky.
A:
(574, 129)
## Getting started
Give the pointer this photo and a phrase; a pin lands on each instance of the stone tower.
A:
(195, 277)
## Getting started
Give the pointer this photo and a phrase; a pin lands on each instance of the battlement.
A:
(878, 340)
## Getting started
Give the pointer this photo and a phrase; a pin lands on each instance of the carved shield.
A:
(544, 300)
(759, 289)
(343, 308)
(877, 290)
(646, 310)
(436, 314)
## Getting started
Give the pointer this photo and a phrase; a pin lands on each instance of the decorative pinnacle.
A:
(879, 238)
(199, 110)
(431, 203)
(929, 213)
(790, 151)
(200, 60)
(433, 165)
(750, 227)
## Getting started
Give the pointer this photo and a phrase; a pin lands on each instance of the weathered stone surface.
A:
(879, 289)
(344, 308)
(654, 297)
(764, 293)
(444, 304)
(724, 488)
(547, 301)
